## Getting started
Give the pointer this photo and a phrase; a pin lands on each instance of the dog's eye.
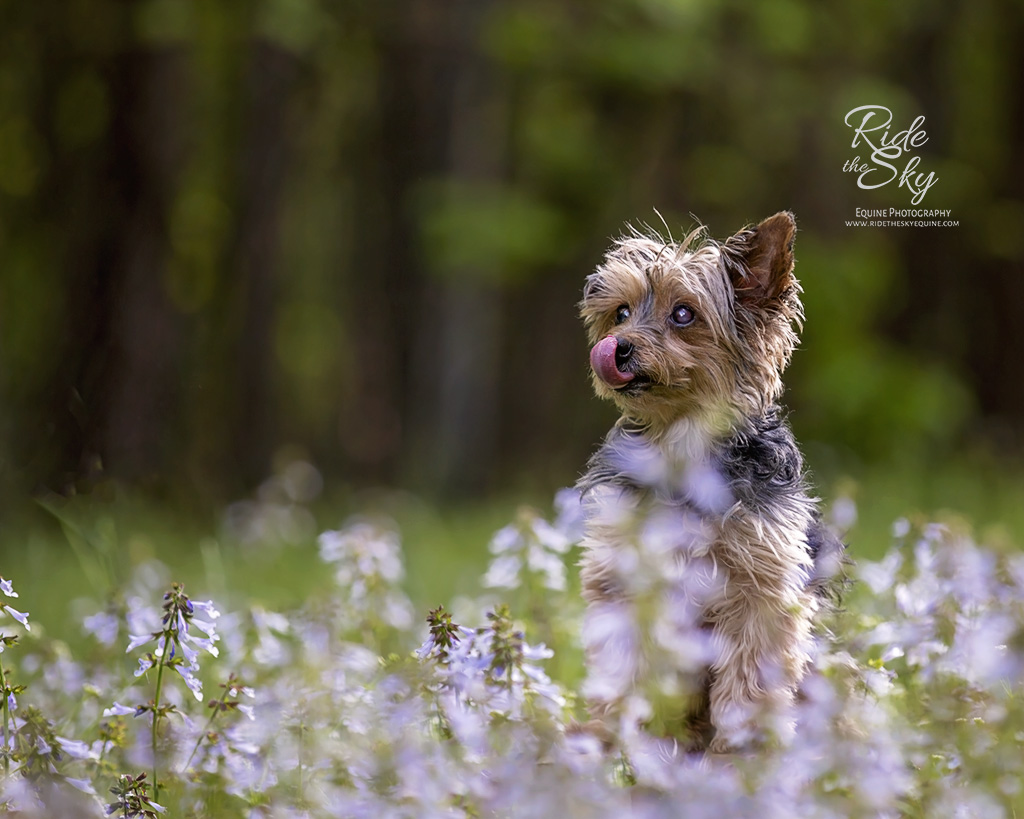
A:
(621, 314)
(682, 316)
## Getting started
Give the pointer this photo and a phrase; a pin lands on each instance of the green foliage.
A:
(479, 232)
(296, 178)
(853, 388)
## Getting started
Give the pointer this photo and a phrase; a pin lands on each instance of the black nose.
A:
(623, 353)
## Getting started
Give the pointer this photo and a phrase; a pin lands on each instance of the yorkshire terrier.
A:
(690, 341)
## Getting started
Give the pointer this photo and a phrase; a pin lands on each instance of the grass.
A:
(930, 645)
(64, 553)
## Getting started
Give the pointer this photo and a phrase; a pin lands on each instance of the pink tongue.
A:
(602, 359)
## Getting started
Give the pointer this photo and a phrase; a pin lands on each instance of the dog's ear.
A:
(590, 305)
(760, 259)
(593, 286)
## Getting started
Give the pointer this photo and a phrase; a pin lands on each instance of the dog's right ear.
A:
(760, 259)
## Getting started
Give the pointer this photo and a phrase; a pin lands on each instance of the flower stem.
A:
(7, 716)
(156, 709)
(206, 728)
(302, 796)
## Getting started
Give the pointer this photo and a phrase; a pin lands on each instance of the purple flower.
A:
(76, 749)
(205, 607)
(118, 710)
(194, 685)
(704, 485)
(569, 514)
(104, 626)
(611, 637)
(844, 513)
(145, 663)
(21, 617)
(137, 640)
(505, 539)
(83, 785)
(202, 642)
(503, 573)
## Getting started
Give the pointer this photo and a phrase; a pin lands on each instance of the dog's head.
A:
(696, 327)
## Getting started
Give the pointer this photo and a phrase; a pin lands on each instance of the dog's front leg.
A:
(762, 655)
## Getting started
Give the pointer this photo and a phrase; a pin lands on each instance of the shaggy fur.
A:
(705, 394)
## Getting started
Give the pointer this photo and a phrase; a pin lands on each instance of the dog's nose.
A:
(623, 352)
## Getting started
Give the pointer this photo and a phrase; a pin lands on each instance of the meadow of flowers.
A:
(357, 705)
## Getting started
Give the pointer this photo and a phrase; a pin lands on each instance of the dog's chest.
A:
(736, 512)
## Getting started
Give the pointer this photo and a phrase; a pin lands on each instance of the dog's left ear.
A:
(593, 286)
(760, 259)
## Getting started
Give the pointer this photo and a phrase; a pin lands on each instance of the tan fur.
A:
(706, 379)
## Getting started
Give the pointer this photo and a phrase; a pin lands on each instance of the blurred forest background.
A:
(355, 231)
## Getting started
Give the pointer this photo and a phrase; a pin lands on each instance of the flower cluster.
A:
(7, 588)
(655, 630)
(8, 690)
(278, 514)
(131, 798)
(533, 547)
(368, 568)
(178, 635)
(493, 670)
(348, 707)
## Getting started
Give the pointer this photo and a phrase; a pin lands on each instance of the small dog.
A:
(690, 341)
